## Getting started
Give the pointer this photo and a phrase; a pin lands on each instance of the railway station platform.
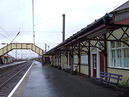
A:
(46, 81)
(11, 64)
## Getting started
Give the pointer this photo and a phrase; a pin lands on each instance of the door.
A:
(94, 62)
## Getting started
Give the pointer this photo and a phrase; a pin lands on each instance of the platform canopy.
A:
(100, 31)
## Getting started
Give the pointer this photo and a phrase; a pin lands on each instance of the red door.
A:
(94, 62)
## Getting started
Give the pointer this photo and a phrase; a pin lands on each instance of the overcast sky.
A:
(16, 15)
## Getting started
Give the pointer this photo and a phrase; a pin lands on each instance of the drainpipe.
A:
(105, 54)
(79, 58)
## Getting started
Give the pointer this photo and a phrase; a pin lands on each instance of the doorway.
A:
(94, 62)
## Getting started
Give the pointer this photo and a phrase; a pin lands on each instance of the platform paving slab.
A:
(46, 81)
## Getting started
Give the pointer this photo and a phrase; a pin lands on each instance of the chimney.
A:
(63, 33)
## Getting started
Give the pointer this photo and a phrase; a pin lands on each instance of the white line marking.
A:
(15, 88)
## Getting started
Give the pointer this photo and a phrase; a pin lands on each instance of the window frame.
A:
(116, 49)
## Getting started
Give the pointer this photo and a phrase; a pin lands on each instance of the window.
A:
(84, 59)
(75, 59)
(113, 59)
(119, 56)
(118, 44)
(126, 57)
(113, 45)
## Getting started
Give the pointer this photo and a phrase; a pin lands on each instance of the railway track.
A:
(10, 76)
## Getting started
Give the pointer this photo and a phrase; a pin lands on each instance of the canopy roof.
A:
(110, 21)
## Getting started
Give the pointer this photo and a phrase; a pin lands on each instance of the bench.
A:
(110, 78)
(68, 69)
(72, 69)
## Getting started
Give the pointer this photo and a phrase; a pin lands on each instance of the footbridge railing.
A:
(12, 46)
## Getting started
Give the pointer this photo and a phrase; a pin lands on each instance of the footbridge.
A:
(29, 46)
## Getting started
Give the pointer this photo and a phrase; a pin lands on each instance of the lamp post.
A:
(33, 23)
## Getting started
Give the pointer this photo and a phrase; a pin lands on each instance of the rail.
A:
(9, 74)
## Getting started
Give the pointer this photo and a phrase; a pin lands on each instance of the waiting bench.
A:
(110, 78)
(72, 70)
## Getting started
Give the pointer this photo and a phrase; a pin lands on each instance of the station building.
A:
(102, 46)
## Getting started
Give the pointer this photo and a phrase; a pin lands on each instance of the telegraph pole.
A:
(33, 21)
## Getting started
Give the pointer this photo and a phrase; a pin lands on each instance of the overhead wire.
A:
(3, 30)
(4, 36)
(9, 37)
